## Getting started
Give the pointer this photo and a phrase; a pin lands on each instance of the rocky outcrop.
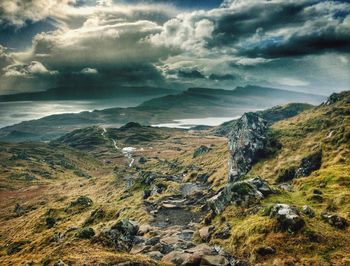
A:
(287, 217)
(242, 193)
(121, 235)
(247, 141)
(307, 165)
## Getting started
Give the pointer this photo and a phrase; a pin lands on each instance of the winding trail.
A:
(127, 151)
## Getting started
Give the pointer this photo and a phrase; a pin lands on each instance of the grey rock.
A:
(247, 140)
(81, 202)
(308, 211)
(85, 233)
(334, 220)
(287, 217)
(155, 255)
(214, 260)
(205, 233)
(122, 235)
(19, 210)
(152, 241)
(241, 193)
(95, 215)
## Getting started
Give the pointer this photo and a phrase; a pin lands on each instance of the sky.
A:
(301, 45)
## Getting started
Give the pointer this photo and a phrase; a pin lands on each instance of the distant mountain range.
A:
(192, 103)
(245, 96)
(87, 93)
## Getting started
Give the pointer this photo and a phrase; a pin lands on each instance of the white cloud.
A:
(27, 70)
(89, 71)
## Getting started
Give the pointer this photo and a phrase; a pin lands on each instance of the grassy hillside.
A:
(326, 130)
(54, 195)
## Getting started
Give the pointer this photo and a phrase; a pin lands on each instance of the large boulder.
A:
(247, 141)
(122, 235)
(288, 218)
(242, 193)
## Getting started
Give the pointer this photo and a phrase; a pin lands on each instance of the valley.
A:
(270, 188)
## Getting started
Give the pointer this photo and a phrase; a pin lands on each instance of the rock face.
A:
(288, 218)
(307, 165)
(247, 141)
(242, 193)
(122, 235)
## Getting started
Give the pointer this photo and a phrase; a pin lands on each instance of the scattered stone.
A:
(263, 251)
(186, 234)
(322, 185)
(86, 233)
(142, 160)
(176, 257)
(147, 193)
(224, 233)
(316, 198)
(201, 150)
(334, 220)
(96, 215)
(317, 191)
(155, 255)
(81, 202)
(165, 248)
(19, 210)
(206, 232)
(308, 211)
(286, 187)
(60, 263)
(287, 217)
(144, 229)
(214, 260)
(50, 222)
(152, 241)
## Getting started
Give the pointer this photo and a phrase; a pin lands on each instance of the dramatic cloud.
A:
(18, 12)
(302, 45)
(34, 68)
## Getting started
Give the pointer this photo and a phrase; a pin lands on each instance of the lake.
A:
(188, 123)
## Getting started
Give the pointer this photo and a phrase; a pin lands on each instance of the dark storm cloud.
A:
(175, 43)
(194, 74)
(273, 29)
(221, 77)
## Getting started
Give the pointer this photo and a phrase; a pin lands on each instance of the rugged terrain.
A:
(271, 187)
